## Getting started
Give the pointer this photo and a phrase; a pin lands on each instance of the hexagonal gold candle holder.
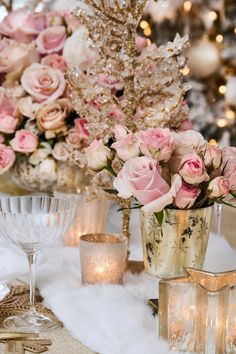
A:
(197, 312)
(103, 258)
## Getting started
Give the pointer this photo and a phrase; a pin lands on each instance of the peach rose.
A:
(74, 138)
(186, 196)
(55, 61)
(8, 123)
(51, 40)
(218, 187)
(97, 155)
(213, 156)
(43, 83)
(156, 143)
(20, 25)
(14, 56)
(24, 141)
(7, 158)
(51, 117)
(127, 147)
(192, 169)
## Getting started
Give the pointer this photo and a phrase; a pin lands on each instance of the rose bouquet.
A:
(39, 130)
(163, 169)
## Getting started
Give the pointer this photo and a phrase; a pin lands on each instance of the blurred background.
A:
(211, 68)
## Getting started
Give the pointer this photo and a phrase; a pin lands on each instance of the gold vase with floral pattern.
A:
(180, 241)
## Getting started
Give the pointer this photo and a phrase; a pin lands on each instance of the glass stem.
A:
(219, 218)
(32, 257)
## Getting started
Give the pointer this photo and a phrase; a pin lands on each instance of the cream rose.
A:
(97, 155)
(59, 152)
(43, 83)
(51, 117)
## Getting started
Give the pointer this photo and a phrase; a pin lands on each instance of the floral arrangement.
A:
(160, 168)
(39, 129)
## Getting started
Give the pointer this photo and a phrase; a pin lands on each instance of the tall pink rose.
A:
(127, 147)
(213, 156)
(7, 158)
(20, 25)
(43, 83)
(229, 166)
(218, 187)
(141, 177)
(8, 123)
(24, 141)
(192, 169)
(51, 40)
(156, 143)
(56, 61)
(186, 196)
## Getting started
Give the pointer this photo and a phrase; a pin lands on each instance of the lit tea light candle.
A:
(103, 258)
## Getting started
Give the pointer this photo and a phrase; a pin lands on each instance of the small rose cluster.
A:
(161, 168)
(36, 116)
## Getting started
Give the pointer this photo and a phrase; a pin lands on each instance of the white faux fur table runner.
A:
(108, 319)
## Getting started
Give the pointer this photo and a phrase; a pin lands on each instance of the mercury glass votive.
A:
(197, 313)
(103, 258)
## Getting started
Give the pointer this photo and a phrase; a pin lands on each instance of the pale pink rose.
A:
(141, 177)
(8, 123)
(20, 25)
(75, 138)
(213, 156)
(97, 155)
(51, 40)
(184, 143)
(55, 61)
(141, 43)
(40, 20)
(110, 82)
(7, 158)
(186, 196)
(218, 187)
(43, 83)
(120, 131)
(14, 56)
(156, 143)
(5, 105)
(80, 126)
(52, 117)
(24, 141)
(229, 166)
(127, 147)
(192, 169)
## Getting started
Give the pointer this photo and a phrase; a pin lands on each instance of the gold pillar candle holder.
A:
(103, 258)
(198, 312)
(90, 216)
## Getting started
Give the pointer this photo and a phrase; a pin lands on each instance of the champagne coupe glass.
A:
(33, 222)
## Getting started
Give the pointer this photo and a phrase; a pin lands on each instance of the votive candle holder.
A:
(103, 258)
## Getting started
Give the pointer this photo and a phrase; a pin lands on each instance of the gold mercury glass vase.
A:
(181, 241)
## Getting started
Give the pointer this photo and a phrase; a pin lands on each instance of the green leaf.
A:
(159, 216)
(233, 195)
(228, 204)
(111, 191)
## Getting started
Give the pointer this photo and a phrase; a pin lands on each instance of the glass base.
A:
(30, 322)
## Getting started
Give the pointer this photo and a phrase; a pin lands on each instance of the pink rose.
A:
(14, 56)
(7, 158)
(120, 131)
(55, 61)
(97, 155)
(8, 123)
(24, 141)
(43, 83)
(192, 169)
(116, 114)
(186, 196)
(51, 40)
(229, 166)
(141, 43)
(213, 156)
(141, 177)
(127, 147)
(20, 25)
(156, 143)
(80, 126)
(218, 187)
(110, 82)
(5, 105)
(186, 125)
